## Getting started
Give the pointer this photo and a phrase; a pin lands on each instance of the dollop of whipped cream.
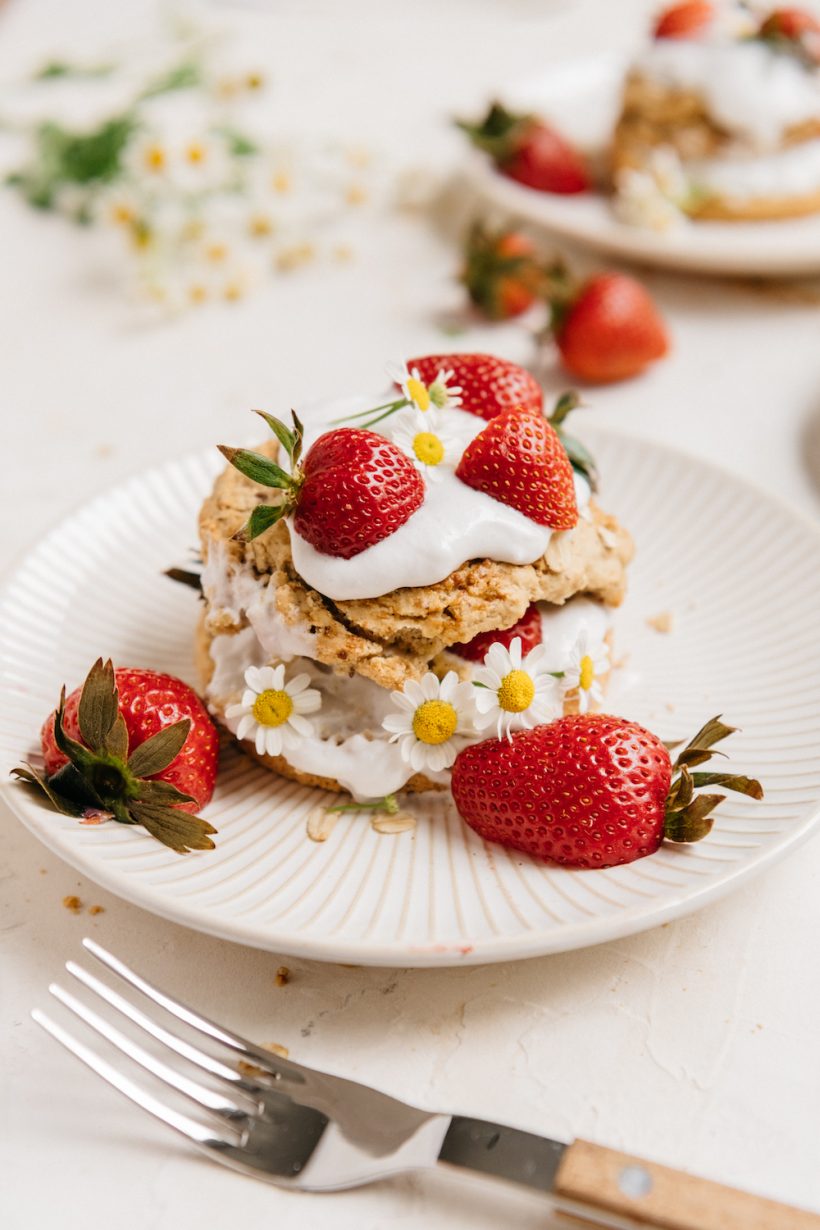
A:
(749, 88)
(454, 524)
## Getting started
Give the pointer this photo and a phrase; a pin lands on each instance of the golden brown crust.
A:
(655, 115)
(395, 637)
(277, 764)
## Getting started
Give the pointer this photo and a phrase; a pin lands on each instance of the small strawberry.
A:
(353, 489)
(607, 329)
(132, 745)
(685, 20)
(528, 628)
(489, 385)
(794, 30)
(503, 274)
(590, 790)
(519, 460)
(529, 151)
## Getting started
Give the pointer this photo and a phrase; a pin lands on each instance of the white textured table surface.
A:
(695, 1043)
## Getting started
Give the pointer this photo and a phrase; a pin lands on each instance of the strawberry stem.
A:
(267, 473)
(389, 407)
(580, 457)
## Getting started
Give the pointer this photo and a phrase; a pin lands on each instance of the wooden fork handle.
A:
(646, 1194)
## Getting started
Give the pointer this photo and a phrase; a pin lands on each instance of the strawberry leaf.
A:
(116, 741)
(192, 579)
(97, 711)
(698, 750)
(693, 822)
(76, 753)
(742, 785)
(38, 781)
(174, 828)
(261, 519)
(257, 468)
(163, 792)
(156, 753)
(283, 434)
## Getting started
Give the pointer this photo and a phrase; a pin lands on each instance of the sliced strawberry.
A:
(353, 489)
(686, 20)
(519, 460)
(526, 149)
(609, 329)
(528, 628)
(489, 385)
(590, 790)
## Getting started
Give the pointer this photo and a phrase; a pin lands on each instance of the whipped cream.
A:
(349, 743)
(794, 171)
(751, 90)
(454, 524)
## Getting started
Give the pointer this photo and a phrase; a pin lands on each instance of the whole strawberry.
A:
(606, 329)
(590, 790)
(686, 20)
(526, 149)
(519, 460)
(489, 385)
(132, 745)
(528, 628)
(353, 489)
(795, 30)
(503, 274)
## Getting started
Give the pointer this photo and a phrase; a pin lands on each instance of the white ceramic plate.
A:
(739, 572)
(582, 98)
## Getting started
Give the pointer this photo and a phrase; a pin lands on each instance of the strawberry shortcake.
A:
(721, 116)
(405, 575)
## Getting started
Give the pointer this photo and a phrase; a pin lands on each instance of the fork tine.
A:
(192, 1053)
(190, 1128)
(262, 1058)
(209, 1100)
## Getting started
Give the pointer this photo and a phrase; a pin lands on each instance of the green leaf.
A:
(61, 803)
(730, 781)
(156, 753)
(163, 792)
(98, 708)
(693, 822)
(56, 69)
(261, 519)
(283, 434)
(299, 433)
(257, 468)
(239, 144)
(192, 579)
(174, 828)
(183, 76)
(581, 458)
(76, 753)
(698, 750)
(116, 741)
(565, 404)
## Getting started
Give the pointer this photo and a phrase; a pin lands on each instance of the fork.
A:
(267, 1116)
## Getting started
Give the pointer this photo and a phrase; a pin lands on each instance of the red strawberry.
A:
(589, 790)
(529, 151)
(789, 23)
(685, 20)
(519, 460)
(528, 628)
(503, 274)
(488, 384)
(607, 330)
(353, 488)
(136, 746)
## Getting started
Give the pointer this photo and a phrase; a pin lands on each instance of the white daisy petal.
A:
(245, 726)
(274, 740)
(400, 723)
(307, 702)
(430, 686)
(298, 683)
(417, 756)
(253, 678)
(249, 696)
(260, 739)
(415, 693)
(233, 711)
(301, 725)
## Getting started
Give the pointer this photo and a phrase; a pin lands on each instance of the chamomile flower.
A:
(273, 707)
(587, 663)
(440, 393)
(432, 721)
(515, 692)
(432, 444)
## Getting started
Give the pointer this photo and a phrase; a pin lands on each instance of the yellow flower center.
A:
(428, 448)
(434, 722)
(272, 707)
(197, 293)
(216, 252)
(195, 153)
(281, 182)
(438, 394)
(418, 393)
(587, 673)
(260, 225)
(122, 214)
(155, 158)
(516, 692)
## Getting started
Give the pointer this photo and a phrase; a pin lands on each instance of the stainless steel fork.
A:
(278, 1120)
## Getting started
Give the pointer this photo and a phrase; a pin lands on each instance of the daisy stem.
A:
(388, 804)
(389, 407)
